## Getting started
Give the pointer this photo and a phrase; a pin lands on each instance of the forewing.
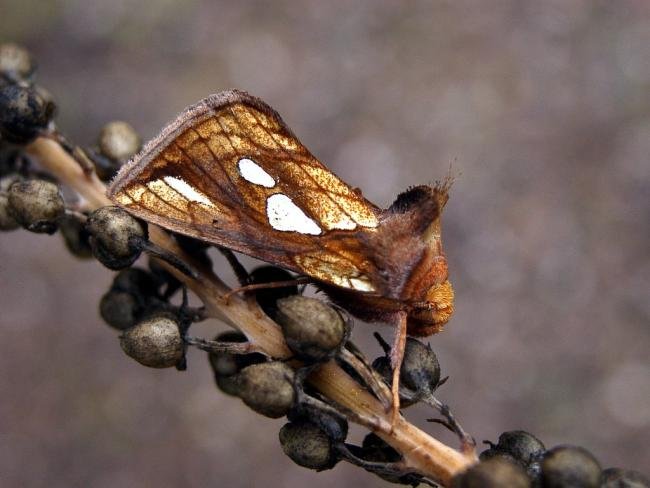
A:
(229, 170)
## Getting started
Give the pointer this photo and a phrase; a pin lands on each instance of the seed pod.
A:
(375, 449)
(105, 167)
(268, 298)
(570, 466)
(336, 427)
(133, 294)
(407, 397)
(15, 62)
(75, 236)
(314, 331)
(381, 458)
(420, 369)
(24, 112)
(521, 445)
(7, 221)
(120, 309)
(37, 205)
(534, 472)
(419, 374)
(267, 388)
(494, 453)
(493, 473)
(119, 141)
(307, 446)
(116, 237)
(155, 342)
(226, 366)
(623, 478)
(136, 281)
(8, 178)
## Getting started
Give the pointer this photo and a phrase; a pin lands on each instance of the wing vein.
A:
(165, 202)
(326, 193)
(201, 169)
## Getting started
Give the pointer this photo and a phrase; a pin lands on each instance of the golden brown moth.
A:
(229, 171)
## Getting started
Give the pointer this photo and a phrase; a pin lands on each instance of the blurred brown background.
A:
(542, 107)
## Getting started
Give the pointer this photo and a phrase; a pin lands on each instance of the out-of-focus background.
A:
(542, 108)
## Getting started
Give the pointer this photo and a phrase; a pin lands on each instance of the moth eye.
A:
(284, 215)
(187, 191)
(254, 173)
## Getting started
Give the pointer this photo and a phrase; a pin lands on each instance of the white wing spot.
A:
(254, 173)
(187, 191)
(285, 215)
(361, 284)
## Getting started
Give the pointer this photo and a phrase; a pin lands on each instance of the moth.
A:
(229, 171)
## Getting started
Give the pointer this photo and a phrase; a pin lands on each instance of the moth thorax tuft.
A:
(421, 207)
(411, 198)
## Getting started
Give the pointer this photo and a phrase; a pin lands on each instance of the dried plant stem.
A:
(422, 453)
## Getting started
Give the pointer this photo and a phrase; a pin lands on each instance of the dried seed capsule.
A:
(15, 62)
(534, 472)
(120, 309)
(7, 221)
(116, 237)
(380, 456)
(133, 293)
(335, 426)
(267, 388)
(493, 473)
(521, 445)
(494, 453)
(37, 205)
(307, 446)
(8, 178)
(420, 372)
(374, 448)
(406, 397)
(155, 342)
(565, 466)
(75, 236)
(268, 298)
(623, 478)
(226, 366)
(420, 369)
(136, 281)
(314, 331)
(105, 168)
(24, 112)
(119, 141)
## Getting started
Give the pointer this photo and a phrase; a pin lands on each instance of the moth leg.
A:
(353, 358)
(240, 272)
(396, 358)
(263, 286)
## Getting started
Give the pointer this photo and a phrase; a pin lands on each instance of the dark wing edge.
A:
(189, 116)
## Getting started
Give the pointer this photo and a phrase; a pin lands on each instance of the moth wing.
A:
(228, 170)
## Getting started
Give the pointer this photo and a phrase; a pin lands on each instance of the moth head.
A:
(429, 319)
